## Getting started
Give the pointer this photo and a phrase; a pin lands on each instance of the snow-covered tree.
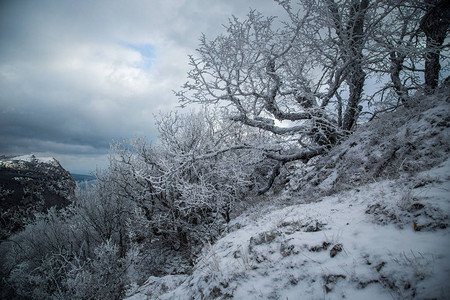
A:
(189, 183)
(305, 81)
(403, 53)
(281, 78)
(81, 252)
(257, 74)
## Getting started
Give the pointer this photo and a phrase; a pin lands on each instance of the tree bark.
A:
(274, 174)
(352, 39)
(434, 24)
(356, 84)
(396, 67)
(355, 32)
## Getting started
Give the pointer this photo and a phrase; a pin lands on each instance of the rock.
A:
(331, 280)
(380, 266)
(315, 227)
(286, 249)
(335, 250)
(319, 248)
(264, 238)
(364, 284)
(29, 185)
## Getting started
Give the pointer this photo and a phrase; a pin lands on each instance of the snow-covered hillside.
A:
(28, 185)
(389, 239)
(369, 221)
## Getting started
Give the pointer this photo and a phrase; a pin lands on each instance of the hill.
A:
(83, 180)
(28, 185)
(79, 178)
(368, 220)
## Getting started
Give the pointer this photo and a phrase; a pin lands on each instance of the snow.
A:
(370, 221)
(22, 162)
(31, 158)
(17, 161)
(157, 286)
(285, 254)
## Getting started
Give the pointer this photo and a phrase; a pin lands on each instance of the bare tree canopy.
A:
(306, 80)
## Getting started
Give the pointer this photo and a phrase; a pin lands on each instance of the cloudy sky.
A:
(76, 74)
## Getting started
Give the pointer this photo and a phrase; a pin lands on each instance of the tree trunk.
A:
(356, 84)
(352, 38)
(396, 67)
(434, 24)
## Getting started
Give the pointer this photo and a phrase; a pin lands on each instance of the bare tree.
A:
(259, 75)
(349, 22)
(188, 183)
(405, 54)
(304, 80)
(290, 79)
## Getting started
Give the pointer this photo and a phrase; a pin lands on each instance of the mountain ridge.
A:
(29, 185)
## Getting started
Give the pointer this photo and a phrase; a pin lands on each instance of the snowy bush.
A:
(82, 252)
(102, 277)
(189, 183)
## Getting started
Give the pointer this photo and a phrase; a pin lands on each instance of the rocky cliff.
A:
(29, 185)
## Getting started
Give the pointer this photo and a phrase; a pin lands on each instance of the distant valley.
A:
(82, 179)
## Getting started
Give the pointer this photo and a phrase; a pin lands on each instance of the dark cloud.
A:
(74, 75)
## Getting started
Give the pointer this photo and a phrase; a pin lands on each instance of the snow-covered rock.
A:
(30, 184)
(32, 158)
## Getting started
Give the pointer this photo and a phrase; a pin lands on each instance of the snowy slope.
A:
(397, 143)
(400, 251)
(371, 221)
(41, 159)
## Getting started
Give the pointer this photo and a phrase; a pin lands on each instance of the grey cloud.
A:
(73, 78)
